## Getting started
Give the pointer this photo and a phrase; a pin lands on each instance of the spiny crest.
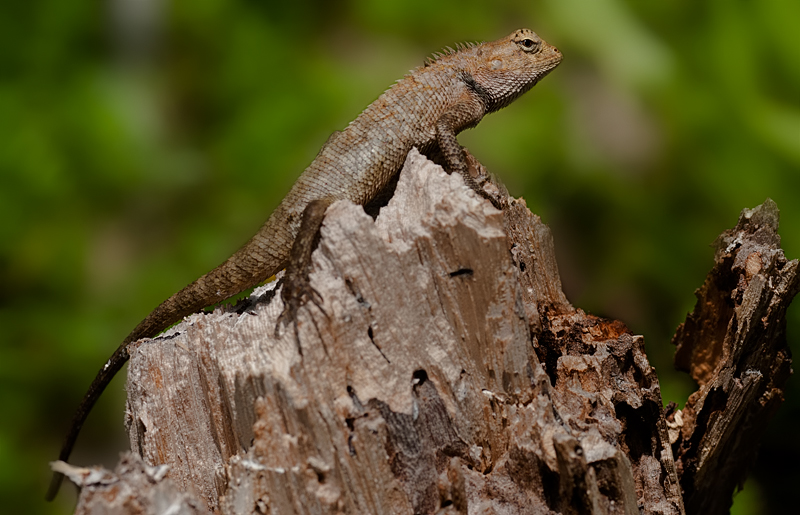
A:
(450, 51)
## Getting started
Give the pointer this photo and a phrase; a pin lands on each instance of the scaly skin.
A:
(426, 109)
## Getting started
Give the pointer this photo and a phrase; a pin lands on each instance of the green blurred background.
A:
(142, 141)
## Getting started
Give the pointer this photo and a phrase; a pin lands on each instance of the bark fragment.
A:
(734, 345)
(132, 489)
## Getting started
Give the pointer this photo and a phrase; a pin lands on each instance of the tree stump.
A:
(446, 372)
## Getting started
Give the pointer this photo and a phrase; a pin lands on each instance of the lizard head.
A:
(508, 67)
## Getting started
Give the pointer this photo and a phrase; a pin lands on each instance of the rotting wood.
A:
(734, 345)
(447, 374)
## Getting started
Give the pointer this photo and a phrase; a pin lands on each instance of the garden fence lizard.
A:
(426, 109)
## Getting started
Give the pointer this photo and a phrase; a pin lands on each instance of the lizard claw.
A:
(296, 292)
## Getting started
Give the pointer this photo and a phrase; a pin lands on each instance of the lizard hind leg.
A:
(296, 289)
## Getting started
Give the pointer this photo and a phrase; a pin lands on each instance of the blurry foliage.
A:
(142, 141)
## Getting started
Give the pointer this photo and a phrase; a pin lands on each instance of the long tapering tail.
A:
(104, 376)
(261, 257)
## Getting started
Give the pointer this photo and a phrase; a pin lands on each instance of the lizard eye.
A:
(529, 45)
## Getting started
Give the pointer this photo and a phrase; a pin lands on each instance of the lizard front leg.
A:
(296, 289)
(462, 115)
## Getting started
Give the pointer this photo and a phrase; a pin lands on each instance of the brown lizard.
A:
(426, 109)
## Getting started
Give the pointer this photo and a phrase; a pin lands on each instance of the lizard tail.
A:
(250, 265)
(112, 366)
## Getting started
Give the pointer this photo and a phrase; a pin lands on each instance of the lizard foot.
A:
(485, 194)
(477, 177)
(295, 293)
(297, 290)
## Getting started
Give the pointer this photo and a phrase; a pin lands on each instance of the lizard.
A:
(427, 109)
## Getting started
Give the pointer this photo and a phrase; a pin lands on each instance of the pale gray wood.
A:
(132, 489)
(444, 372)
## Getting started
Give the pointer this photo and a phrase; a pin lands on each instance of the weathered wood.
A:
(444, 372)
(132, 489)
(734, 345)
